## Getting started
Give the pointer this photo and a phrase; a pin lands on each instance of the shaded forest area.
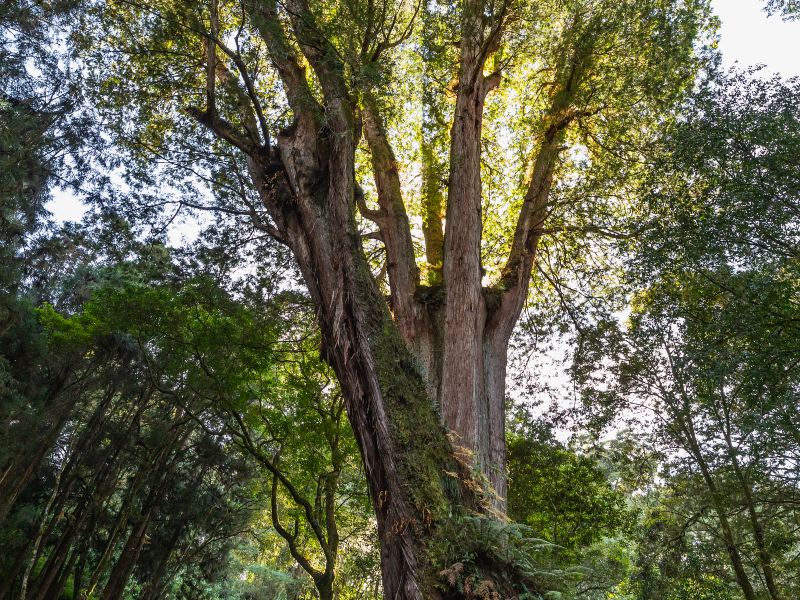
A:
(482, 300)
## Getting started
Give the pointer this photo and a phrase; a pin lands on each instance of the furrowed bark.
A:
(464, 308)
(310, 195)
(464, 396)
(386, 397)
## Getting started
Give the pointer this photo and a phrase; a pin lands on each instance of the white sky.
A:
(747, 37)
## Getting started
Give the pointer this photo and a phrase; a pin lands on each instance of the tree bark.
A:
(391, 366)
(403, 446)
(463, 376)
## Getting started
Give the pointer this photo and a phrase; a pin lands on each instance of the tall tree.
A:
(269, 101)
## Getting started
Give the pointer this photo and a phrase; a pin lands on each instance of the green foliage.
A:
(482, 558)
(165, 360)
(562, 496)
(144, 385)
(568, 499)
(675, 557)
(706, 359)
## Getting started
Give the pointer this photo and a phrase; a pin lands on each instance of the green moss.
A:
(423, 451)
(445, 493)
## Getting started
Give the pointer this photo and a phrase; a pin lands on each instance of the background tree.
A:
(569, 499)
(710, 342)
(138, 486)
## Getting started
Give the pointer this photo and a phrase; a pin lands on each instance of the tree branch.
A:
(264, 15)
(392, 219)
(222, 129)
(291, 540)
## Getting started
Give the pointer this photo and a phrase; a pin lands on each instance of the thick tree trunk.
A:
(463, 394)
(406, 453)
(403, 445)
(387, 399)
(391, 366)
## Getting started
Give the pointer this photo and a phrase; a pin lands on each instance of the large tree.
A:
(288, 108)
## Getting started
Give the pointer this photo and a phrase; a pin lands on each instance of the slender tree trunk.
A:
(120, 524)
(41, 528)
(728, 538)
(727, 535)
(11, 577)
(54, 593)
(80, 570)
(58, 557)
(764, 556)
(121, 572)
(153, 590)
(127, 560)
(100, 488)
(25, 465)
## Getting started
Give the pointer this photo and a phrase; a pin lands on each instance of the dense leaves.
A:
(707, 358)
